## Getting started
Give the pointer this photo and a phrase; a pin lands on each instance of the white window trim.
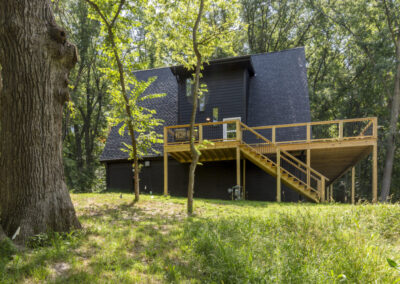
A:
(225, 128)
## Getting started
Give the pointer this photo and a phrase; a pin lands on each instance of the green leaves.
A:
(393, 264)
(173, 26)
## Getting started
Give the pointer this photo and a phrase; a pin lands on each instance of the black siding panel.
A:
(225, 91)
(212, 180)
(120, 176)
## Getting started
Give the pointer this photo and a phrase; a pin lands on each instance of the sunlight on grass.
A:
(233, 242)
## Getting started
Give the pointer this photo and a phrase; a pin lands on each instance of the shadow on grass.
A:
(138, 245)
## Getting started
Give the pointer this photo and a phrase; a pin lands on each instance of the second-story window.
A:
(215, 114)
(188, 87)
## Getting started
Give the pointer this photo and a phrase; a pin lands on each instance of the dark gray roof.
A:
(278, 94)
(166, 107)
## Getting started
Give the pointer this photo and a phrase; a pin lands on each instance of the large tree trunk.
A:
(393, 131)
(36, 60)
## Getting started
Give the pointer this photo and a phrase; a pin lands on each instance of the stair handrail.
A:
(283, 151)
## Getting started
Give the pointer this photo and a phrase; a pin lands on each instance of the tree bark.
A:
(393, 130)
(36, 60)
(393, 25)
(194, 152)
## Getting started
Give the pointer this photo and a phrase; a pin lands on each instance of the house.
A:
(256, 117)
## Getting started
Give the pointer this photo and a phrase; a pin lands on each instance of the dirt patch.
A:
(60, 268)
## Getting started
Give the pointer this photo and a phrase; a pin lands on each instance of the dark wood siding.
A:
(120, 176)
(226, 90)
(212, 180)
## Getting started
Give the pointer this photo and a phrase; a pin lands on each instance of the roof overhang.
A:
(226, 63)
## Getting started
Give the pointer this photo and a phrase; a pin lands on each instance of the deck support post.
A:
(278, 175)
(244, 179)
(165, 173)
(323, 188)
(331, 193)
(238, 166)
(353, 185)
(308, 168)
(165, 162)
(375, 174)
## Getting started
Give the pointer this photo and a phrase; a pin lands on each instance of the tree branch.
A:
(390, 24)
(121, 4)
(96, 7)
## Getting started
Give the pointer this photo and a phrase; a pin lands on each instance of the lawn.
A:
(225, 242)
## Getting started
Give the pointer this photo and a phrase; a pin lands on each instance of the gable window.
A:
(188, 87)
(215, 114)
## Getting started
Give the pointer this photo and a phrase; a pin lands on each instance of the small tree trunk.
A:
(129, 114)
(36, 60)
(194, 152)
(393, 131)
(136, 173)
(130, 123)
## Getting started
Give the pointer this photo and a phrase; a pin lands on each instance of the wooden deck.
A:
(330, 148)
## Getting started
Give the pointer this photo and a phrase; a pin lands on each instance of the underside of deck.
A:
(331, 159)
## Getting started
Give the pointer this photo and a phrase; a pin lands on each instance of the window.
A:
(188, 87)
(215, 114)
(231, 131)
(202, 102)
(230, 128)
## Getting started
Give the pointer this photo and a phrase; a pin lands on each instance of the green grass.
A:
(225, 242)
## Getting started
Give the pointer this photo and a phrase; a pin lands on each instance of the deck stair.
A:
(292, 172)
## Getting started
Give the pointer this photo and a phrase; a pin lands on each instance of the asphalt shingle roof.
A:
(278, 94)
(166, 107)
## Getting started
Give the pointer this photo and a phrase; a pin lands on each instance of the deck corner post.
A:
(278, 175)
(274, 134)
(375, 128)
(165, 172)
(308, 168)
(353, 185)
(375, 173)
(341, 130)
(165, 162)
(308, 132)
(244, 179)
(322, 192)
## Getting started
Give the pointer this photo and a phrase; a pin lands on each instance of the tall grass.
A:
(226, 242)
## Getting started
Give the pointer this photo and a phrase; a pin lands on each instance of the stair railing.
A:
(288, 164)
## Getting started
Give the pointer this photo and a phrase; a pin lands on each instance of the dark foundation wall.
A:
(119, 176)
(261, 186)
(212, 180)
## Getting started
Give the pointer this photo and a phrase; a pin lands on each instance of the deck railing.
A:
(283, 160)
(221, 131)
(266, 140)
(334, 130)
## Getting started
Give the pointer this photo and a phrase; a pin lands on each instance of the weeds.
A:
(226, 242)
